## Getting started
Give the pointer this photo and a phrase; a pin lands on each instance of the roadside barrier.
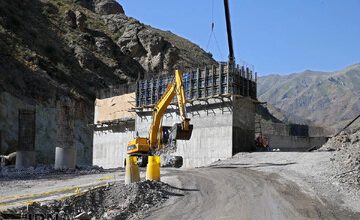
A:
(153, 168)
(132, 174)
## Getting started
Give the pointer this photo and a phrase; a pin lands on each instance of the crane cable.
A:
(212, 33)
(212, 25)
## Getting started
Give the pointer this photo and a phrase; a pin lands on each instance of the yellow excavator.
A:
(144, 146)
(141, 146)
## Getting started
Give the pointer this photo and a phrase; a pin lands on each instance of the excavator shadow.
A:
(167, 193)
(184, 189)
(177, 191)
(242, 165)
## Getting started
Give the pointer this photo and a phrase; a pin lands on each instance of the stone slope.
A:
(319, 98)
(346, 161)
(75, 47)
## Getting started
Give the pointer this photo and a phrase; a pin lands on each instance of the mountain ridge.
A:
(321, 98)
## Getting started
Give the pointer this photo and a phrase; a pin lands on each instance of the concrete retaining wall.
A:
(211, 139)
(221, 129)
(293, 130)
(45, 136)
(293, 137)
(206, 146)
(9, 121)
(109, 149)
(294, 143)
(243, 124)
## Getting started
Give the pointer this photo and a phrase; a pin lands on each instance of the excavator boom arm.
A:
(159, 111)
(176, 87)
(180, 92)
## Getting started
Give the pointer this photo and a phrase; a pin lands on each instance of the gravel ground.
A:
(312, 171)
(346, 159)
(9, 172)
(271, 185)
(258, 186)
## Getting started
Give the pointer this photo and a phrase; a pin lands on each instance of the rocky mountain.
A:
(55, 54)
(328, 99)
(51, 48)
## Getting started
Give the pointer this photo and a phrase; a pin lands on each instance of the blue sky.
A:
(276, 36)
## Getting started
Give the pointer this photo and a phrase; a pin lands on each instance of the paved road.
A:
(233, 192)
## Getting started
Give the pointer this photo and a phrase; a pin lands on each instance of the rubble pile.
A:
(132, 201)
(116, 201)
(346, 159)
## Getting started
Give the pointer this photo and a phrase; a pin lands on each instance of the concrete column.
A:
(65, 152)
(25, 159)
(65, 158)
(25, 153)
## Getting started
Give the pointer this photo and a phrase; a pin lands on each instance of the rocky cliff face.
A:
(56, 49)
(74, 47)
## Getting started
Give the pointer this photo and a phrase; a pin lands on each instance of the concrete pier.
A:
(25, 159)
(65, 152)
(65, 158)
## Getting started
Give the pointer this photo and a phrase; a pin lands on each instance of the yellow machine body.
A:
(138, 145)
(182, 131)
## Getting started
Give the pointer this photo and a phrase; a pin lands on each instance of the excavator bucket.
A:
(180, 134)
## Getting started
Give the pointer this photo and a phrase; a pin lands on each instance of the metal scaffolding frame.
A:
(200, 84)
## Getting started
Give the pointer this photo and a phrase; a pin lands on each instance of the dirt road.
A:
(234, 192)
(277, 185)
